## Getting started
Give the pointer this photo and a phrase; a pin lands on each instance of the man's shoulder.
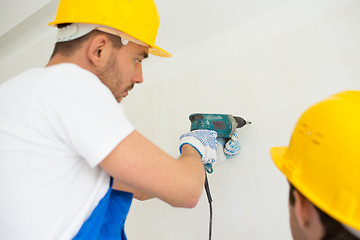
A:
(67, 76)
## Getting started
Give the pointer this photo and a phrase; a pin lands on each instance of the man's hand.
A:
(226, 150)
(204, 141)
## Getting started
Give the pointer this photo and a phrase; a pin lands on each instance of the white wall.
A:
(267, 69)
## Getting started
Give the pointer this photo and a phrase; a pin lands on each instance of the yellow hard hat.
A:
(137, 18)
(323, 158)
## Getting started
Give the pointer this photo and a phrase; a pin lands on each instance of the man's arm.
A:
(137, 194)
(139, 164)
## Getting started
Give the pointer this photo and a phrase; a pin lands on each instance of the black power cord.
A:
(207, 189)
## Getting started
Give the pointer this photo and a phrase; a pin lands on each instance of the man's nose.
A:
(138, 75)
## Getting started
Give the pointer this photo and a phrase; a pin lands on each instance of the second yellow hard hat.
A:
(323, 158)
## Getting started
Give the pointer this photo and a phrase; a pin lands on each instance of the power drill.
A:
(224, 124)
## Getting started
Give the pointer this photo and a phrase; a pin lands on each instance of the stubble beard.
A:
(110, 75)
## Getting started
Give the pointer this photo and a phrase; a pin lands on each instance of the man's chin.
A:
(119, 99)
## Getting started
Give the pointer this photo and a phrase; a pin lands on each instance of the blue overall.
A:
(108, 218)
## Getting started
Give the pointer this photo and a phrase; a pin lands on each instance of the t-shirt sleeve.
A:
(84, 115)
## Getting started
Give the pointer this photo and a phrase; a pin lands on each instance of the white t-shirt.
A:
(56, 125)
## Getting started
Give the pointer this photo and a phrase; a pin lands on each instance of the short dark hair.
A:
(333, 229)
(67, 48)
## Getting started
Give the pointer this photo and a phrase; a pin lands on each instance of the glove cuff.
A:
(195, 144)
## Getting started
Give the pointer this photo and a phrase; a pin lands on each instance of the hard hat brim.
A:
(155, 50)
(277, 155)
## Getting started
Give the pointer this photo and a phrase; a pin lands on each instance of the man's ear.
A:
(98, 50)
(303, 210)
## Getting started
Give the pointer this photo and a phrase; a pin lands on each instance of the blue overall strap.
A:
(107, 220)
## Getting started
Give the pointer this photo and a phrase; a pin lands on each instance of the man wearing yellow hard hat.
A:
(322, 165)
(66, 145)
